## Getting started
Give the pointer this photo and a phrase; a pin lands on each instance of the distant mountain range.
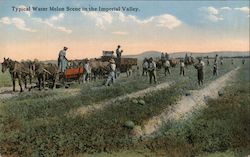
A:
(156, 54)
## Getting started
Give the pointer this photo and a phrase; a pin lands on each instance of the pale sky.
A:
(168, 26)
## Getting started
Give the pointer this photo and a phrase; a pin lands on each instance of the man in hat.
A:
(166, 67)
(221, 60)
(215, 68)
(166, 56)
(200, 73)
(112, 69)
(62, 60)
(152, 70)
(118, 52)
(145, 67)
(86, 75)
(182, 65)
(208, 60)
(243, 61)
(216, 57)
(163, 59)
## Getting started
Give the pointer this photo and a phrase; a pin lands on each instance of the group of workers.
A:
(63, 62)
(148, 66)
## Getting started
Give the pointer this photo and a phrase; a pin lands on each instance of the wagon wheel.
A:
(61, 80)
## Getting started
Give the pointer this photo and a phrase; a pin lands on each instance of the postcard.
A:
(133, 78)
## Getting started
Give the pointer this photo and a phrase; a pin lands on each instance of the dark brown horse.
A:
(160, 63)
(18, 71)
(45, 72)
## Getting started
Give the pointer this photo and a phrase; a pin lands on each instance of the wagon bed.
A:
(74, 73)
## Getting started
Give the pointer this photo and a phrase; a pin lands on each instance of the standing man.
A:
(182, 65)
(145, 67)
(87, 73)
(166, 56)
(163, 59)
(200, 73)
(221, 60)
(118, 61)
(215, 68)
(232, 61)
(62, 60)
(112, 69)
(118, 52)
(167, 67)
(152, 70)
(243, 61)
(216, 57)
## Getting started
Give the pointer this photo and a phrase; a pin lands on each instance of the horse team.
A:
(26, 71)
(22, 71)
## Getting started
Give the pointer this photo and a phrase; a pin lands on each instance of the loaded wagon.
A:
(123, 63)
(74, 72)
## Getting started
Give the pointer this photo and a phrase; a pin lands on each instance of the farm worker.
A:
(167, 67)
(118, 52)
(62, 60)
(129, 70)
(112, 69)
(182, 65)
(208, 60)
(163, 59)
(167, 56)
(118, 56)
(186, 58)
(215, 68)
(243, 61)
(87, 72)
(162, 56)
(200, 73)
(216, 57)
(221, 61)
(145, 67)
(152, 70)
(232, 61)
(191, 58)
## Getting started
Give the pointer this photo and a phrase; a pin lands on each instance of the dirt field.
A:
(93, 120)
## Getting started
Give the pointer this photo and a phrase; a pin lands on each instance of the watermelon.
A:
(220, 93)
(142, 102)
(129, 124)
(134, 101)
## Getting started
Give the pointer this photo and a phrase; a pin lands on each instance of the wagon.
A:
(72, 73)
(122, 64)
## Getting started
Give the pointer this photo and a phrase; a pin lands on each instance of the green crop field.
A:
(37, 123)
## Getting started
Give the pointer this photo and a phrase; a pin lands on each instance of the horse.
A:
(174, 62)
(99, 68)
(189, 60)
(17, 71)
(45, 72)
(28, 65)
(160, 63)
